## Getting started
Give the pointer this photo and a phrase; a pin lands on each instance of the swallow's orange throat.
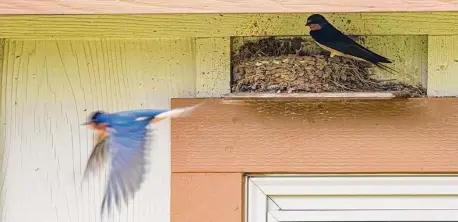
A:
(315, 27)
(98, 127)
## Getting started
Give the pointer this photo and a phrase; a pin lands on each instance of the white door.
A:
(351, 198)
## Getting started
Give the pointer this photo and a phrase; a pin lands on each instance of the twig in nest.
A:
(386, 80)
(419, 89)
(261, 52)
(365, 82)
(341, 86)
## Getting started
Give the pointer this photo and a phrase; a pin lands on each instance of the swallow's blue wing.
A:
(142, 113)
(127, 146)
(98, 154)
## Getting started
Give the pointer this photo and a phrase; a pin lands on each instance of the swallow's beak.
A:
(308, 23)
(86, 123)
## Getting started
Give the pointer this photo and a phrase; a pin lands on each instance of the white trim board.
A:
(352, 198)
(372, 215)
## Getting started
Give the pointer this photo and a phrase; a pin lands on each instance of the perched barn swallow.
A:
(124, 136)
(337, 43)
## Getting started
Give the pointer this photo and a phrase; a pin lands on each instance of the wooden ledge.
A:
(319, 96)
(356, 136)
(221, 6)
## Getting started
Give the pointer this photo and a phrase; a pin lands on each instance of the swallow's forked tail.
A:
(174, 113)
(386, 68)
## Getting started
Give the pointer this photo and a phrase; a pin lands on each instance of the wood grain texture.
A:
(207, 197)
(443, 66)
(220, 25)
(214, 6)
(213, 62)
(49, 88)
(359, 136)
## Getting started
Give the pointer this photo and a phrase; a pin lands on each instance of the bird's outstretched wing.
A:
(98, 155)
(126, 140)
(127, 146)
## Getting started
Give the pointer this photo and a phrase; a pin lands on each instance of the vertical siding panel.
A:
(2, 125)
(49, 87)
(193, 193)
(443, 65)
(213, 66)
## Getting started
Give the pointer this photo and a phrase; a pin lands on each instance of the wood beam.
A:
(352, 136)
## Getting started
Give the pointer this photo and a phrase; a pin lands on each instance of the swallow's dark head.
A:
(96, 118)
(316, 21)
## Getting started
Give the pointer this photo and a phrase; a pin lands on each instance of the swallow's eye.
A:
(96, 115)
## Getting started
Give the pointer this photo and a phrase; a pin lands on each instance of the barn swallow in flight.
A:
(124, 135)
(337, 43)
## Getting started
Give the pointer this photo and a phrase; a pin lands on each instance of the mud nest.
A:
(283, 66)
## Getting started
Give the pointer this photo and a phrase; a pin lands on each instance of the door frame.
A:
(353, 197)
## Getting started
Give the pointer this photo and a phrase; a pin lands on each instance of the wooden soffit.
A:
(219, 6)
(358, 136)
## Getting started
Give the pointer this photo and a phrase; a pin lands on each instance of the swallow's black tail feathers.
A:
(378, 61)
(386, 68)
(380, 58)
(375, 58)
(368, 55)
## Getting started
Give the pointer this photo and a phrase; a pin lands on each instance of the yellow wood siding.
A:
(221, 25)
(48, 89)
(213, 62)
(443, 66)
